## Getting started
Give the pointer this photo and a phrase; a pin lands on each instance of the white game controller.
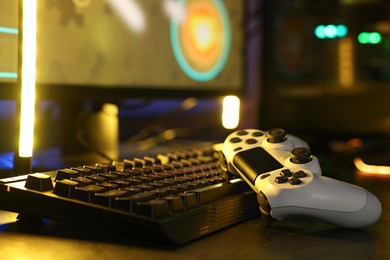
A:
(288, 180)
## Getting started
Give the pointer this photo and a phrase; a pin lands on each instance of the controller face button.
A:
(241, 132)
(299, 174)
(281, 179)
(251, 141)
(257, 134)
(235, 140)
(264, 176)
(294, 181)
(301, 155)
(276, 135)
(286, 173)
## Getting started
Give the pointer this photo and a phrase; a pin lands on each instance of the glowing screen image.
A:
(201, 40)
(139, 44)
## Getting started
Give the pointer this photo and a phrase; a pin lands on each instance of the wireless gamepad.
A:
(288, 180)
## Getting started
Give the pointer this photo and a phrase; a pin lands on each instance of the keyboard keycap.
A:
(219, 191)
(39, 182)
(129, 203)
(107, 198)
(87, 193)
(65, 188)
(153, 208)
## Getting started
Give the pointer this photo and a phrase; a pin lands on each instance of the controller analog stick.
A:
(276, 135)
(301, 155)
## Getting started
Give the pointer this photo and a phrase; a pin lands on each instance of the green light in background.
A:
(369, 38)
(330, 31)
(342, 30)
(320, 31)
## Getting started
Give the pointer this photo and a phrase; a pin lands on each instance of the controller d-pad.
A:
(251, 141)
(257, 134)
(235, 140)
(299, 174)
(294, 181)
(281, 179)
(286, 176)
(241, 132)
(286, 173)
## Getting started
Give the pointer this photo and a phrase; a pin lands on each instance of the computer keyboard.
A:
(169, 198)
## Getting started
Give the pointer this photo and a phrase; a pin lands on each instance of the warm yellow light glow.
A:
(203, 30)
(27, 78)
(346, 71)
(371, 169)
(231, 112)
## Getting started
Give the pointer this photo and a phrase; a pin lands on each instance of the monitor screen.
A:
(326, 67)
(8, 49)
(118, 49)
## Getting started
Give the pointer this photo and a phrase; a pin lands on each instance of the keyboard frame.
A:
(199, 221)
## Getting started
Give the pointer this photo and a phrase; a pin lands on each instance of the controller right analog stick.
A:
(301, 155)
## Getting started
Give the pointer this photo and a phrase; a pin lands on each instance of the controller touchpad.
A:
(254, 162)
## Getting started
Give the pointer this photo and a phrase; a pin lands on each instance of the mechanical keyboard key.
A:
(220, 191)
(39, 182)
(107, 198)
(175, 203)
(65, 188)
(153, 208)
(129, 203)
(82, 181)
(66, 174)
(83, 171)
(87, 193)
(189, 199)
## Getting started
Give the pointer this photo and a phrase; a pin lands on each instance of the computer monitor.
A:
(9, 13)
(123, 49)
(326, 68)
(115, 50)
(112, 51)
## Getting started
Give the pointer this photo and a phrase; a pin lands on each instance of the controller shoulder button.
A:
(251, 141)
(235, 140)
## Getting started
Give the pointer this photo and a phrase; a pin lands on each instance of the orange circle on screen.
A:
(201, 35)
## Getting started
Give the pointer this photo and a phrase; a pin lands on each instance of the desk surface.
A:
(295, 238)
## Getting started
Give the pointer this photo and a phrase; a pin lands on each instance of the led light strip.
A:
(27, 80)
(371, 169)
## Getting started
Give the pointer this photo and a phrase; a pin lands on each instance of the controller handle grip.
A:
(333, 201)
